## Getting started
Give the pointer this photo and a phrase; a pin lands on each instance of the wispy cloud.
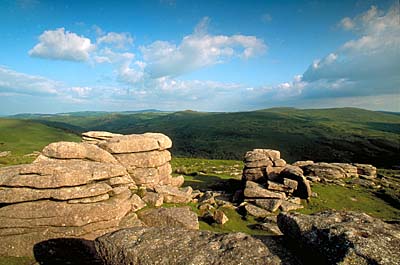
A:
(15, 82)
(119, 40)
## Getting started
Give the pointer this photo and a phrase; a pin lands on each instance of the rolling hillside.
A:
(23, 137)
(344, 134)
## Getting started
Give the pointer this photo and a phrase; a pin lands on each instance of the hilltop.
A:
(339, 134)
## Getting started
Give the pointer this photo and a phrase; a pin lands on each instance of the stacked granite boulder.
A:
(271, 184)
(85, 189)
(335, 171)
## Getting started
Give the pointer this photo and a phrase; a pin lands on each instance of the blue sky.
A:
(61, 56)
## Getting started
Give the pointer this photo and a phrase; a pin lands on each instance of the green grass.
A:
(236, 222)
(24, 137)
(205, 173)
(358, 199)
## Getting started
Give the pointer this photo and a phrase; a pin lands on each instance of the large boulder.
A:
(181, 217)
(134, 143)
(325, 170)
(255, 190)
(169, 245)
(173, 194)
(296, 173)
(25, 224)
(339, 237)
(58, 173)
(71, 150)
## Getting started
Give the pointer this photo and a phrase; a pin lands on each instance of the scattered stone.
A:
(325, 170)
(365, 169)
(220, 217)
(256, 211)
(153, 199)
(5, 153)
(269, 227)
(169, 245)
(303, 186)
(255, 190)
(173, 194)
(271, 185)
(350, 169)
(270, 205)
(295, 200)
(290, 206)
(177, 181)
(181, 217)
(339, 237)
(137, 203)
(290, 183)
(207, 197)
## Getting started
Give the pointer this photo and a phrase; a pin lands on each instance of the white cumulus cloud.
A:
(62, 45)
(198, 50)
(365, 65)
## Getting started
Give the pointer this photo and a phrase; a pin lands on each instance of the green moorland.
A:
(23, 137)
(331, 135)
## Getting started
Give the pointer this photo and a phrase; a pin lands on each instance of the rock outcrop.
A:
(181, 246)
(335, 171)
(270, 184)
(338, 237)
(86, 189)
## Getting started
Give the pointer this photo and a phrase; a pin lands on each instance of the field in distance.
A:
(330, 135)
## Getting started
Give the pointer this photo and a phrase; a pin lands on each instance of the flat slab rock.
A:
(71, 150)
(181, 246)
(134, 143)
(181, 217)
(58, 173)
(339, 237)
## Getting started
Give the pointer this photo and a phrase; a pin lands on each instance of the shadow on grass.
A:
(66, 251)
(210, 182)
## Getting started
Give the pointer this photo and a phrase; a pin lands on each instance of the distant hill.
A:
(341, 134)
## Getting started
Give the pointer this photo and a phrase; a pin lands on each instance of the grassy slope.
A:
(345, 134)
(24, 137)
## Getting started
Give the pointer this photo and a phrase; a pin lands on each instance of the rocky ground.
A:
(55, 207)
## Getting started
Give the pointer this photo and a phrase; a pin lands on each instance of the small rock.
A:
(256, 211)
(290, 183)
(269, 204)
(153, 199)
(220, 217)
(137, 203)
(181, 217)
